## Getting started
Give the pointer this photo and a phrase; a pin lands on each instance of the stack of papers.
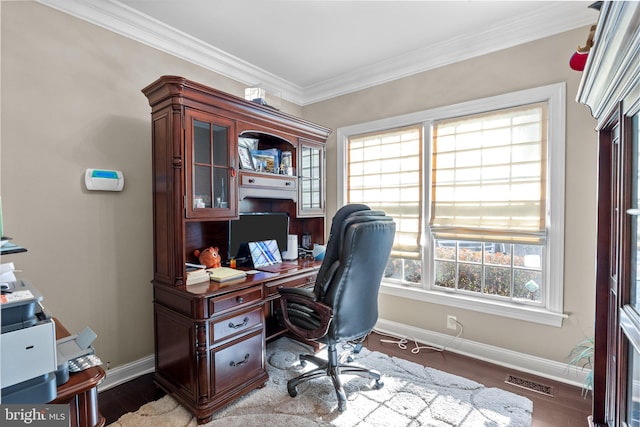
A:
(197, 275)
(222, 274)
(7, 273)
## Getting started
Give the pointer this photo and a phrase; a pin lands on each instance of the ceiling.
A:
(310, 50)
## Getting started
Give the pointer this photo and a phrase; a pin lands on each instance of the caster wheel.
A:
(293, 391)
(342, 406)
(303, 363)
(379, 384)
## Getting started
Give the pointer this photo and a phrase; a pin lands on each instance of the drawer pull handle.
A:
(236, 364)
(239, 325)
(287, 183)
(251, 180)
(240, 300)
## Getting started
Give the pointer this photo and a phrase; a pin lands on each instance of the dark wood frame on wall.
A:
(610, 87)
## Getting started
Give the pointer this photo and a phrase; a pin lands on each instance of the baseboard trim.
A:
(123, 373)
(538, 366)
(527, 363)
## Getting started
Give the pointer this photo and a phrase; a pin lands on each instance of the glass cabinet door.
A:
(311, 200)
(210, 166)
(634, 213)
(633, 389)
(630, 313)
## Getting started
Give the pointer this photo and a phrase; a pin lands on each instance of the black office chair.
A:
(343, 305)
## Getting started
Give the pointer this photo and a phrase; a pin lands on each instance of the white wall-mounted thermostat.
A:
(104, 180)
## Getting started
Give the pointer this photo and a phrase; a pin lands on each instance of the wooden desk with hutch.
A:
(210, 338)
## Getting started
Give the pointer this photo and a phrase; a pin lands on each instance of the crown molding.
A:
(128, 22)
(612, 71)
(532, 27)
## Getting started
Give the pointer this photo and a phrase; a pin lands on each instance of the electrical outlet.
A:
(451, 322)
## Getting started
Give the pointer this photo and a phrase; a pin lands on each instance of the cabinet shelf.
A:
(8, 247)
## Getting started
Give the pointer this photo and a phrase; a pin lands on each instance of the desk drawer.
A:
(233, 300)
(307, 280)
(238, 363)
(235, 325)
(280, 182)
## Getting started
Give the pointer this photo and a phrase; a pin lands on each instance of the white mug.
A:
(318, 251)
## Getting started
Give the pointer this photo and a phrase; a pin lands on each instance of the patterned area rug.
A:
(412, 396)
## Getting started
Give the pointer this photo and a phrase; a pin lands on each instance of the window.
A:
(477, 193)
(384, 172)
(488, 202)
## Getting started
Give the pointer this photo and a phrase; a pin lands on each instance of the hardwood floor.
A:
(565, 408)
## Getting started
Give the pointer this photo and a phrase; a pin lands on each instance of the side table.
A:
(81, 392)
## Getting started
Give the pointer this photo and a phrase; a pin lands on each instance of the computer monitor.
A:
(256, 227)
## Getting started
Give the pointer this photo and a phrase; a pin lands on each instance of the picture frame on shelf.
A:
(246, 161)
(266, 160)
(250, 143)
(286, 163)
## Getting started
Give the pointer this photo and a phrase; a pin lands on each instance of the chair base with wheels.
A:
(332, 368)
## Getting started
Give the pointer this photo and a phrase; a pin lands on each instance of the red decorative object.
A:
(578, 60)
(579, 57)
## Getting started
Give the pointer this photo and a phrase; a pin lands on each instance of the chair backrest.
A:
(353, 279)
(333, 251)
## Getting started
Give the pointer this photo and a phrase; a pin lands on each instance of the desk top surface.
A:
(254, 277)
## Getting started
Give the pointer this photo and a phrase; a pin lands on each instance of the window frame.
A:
(555, 95)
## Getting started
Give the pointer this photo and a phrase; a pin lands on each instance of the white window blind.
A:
(489, 175)
(384, 172)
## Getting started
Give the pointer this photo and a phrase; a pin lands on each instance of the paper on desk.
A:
(6, 272)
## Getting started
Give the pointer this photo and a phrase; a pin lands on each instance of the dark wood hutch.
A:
(210, 338)
(610, 87)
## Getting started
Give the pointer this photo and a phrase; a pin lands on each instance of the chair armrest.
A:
(304, 316)
(302, 292)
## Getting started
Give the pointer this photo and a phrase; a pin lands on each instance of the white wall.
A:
(71, 100)
(534, 64)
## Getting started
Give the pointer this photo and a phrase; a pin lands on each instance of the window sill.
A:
(496, 308)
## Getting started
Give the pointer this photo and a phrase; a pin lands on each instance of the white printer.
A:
(27, 345)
